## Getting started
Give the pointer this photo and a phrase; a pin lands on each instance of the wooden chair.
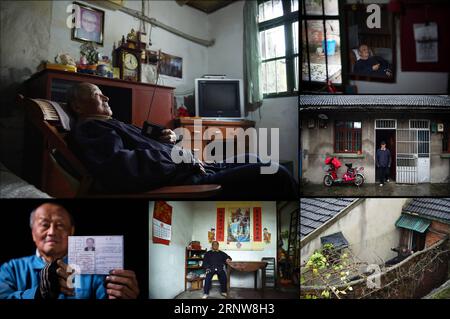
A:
(65, 176)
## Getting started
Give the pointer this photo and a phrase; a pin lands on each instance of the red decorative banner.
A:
(162, 223)
(257, 225)
(220, 224)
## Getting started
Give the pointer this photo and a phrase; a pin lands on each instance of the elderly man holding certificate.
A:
(46, 274)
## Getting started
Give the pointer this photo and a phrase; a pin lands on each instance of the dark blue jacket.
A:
(383, 158)
(121, 159)
(364, 67)
(215, 259)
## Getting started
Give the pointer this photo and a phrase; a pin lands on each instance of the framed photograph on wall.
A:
(89, 24)
(171, 65)
(370, 43)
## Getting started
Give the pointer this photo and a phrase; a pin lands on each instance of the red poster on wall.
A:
(257, 227)
(162, 223)
(220, 224)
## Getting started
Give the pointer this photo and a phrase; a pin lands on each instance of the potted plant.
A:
(89, 51)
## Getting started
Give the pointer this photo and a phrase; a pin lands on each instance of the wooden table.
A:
(247, 266)
(212, 131)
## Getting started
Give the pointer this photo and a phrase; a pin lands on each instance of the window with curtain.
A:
(278, 32)
(347, 137)
(321, 43)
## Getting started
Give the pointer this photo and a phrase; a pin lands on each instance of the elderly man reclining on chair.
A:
(121, 159)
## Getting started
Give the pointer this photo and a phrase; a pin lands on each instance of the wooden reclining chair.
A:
(65, 176)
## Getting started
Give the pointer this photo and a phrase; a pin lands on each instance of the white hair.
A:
(33, 213)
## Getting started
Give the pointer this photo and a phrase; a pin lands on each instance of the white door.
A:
(413, 153)
(407, 156)
(423, 150)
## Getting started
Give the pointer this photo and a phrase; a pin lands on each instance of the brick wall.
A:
(436, 232)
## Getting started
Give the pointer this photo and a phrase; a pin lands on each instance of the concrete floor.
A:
(388, 190)
(243, 293)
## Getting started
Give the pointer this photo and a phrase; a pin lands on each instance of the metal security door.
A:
(407, 156)
(423, 149)
(413, 153)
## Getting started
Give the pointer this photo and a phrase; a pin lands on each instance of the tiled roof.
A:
(314, 212)
(431, 208)
(375, 102)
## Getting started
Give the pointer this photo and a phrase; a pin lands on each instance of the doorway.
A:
(388, 136)
(418, 241)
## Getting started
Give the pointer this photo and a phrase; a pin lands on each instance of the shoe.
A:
(381, 185)
(388, 180)
(205, 296)
(223, 294)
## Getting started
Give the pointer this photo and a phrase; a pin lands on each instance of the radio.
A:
(152, 130)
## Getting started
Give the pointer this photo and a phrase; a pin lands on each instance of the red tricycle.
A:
(351, 176)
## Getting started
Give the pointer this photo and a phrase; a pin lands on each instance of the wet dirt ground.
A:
(374, 190)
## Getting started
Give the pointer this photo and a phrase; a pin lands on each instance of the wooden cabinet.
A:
(193, 269)
(129, 101)
(205, 132)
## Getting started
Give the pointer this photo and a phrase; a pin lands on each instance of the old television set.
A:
(219, 98)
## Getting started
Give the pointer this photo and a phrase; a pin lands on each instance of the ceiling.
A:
(207, 6)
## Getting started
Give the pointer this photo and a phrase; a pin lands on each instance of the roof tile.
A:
(314, 212)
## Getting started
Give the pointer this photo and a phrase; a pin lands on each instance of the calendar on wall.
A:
(162, 223)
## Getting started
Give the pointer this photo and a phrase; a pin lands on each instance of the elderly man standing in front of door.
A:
(383, 162)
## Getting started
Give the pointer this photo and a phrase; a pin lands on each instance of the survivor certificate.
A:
(98, 255)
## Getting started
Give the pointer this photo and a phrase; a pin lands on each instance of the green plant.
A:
(89, 50)
(325, 264)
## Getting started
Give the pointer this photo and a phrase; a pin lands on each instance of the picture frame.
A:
(171, 65)
(89, 24)
(371, 51)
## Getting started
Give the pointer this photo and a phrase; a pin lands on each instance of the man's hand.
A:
(63, 273)
(199, 165)
(202, 168)
(168, 136)
(122, 284)
(376, 67)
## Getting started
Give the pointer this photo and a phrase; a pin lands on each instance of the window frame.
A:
(353, 141)
(287, 19)
(315, 85)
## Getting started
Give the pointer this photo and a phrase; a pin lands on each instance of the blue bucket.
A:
(331, 46)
